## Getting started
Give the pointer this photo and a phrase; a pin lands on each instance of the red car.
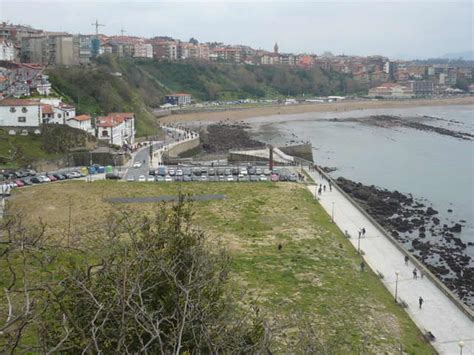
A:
(52, 178)
(19, 183)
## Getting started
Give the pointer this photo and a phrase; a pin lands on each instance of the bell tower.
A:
(275, 48)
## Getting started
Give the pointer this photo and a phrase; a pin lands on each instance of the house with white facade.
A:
(83, 122)
(7, 51)
(117, 128)
(20, 113)
(61, 112)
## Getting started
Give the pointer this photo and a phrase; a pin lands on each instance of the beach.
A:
(245, 113)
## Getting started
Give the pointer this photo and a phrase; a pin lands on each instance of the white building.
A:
(117, 128)
(61, 111)
(7, 51)
(143, 50)
(20, 113)
(83, 122)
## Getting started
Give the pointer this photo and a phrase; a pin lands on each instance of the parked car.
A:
(44, 178)
(111, 176)
(59, 176)
(159, 178)
(137, 165)
(19, 183)
(243, 171)
(186, 178)
(212, 171)
(197, 171)
(52, 177)
(262, 177)
(179, 172)
(253, 178)
(267, 172)
(171, 172)
(275, 177)
(168, 178)
(141, 178)
(162, 170)
(27, 181)
(36, 180)
(131, 179)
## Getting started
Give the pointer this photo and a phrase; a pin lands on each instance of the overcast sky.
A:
(398, 29)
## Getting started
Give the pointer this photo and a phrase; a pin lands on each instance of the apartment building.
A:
(116, 128)
(49, 49)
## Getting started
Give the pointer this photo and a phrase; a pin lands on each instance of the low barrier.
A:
(455, 299)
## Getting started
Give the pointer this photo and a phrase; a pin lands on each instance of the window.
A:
(12, 109)
(22, 119)
(105, 133)
(24, 110)
(59, 115)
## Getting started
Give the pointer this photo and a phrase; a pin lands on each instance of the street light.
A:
(332, 216)
(397, 273)
(358, 244)
(461, 345)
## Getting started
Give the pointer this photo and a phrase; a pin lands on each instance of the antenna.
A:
(97, 25)
(122, 31)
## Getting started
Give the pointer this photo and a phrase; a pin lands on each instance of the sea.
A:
(436, 169)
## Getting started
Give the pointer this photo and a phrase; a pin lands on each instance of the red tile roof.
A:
(19, 102)
(47, 109)
(81, 118)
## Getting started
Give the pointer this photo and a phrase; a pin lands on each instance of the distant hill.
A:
(468, 55)
(138, 85)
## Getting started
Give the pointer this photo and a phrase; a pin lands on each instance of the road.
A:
(142, 156)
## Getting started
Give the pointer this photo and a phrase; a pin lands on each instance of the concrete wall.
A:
(181, 147)
(304, 151)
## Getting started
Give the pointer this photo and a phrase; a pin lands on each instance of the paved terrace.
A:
(439, 314)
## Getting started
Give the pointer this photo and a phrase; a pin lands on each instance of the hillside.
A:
(144, 82)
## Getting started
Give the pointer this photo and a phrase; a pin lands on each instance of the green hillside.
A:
(144, 82)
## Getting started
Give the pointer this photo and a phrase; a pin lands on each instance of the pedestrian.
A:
(324, 188)
(360, 233)
(420, 301)
(319, 191)
(362, 266)
(406, 259)
(415, 273)
(363, 232)
(330, 187)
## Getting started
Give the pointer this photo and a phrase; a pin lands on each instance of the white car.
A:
(230, 178)
(150, 178)
(141, 178)
(263, 178)
(243, 171)
(130, 179)
(179, 172)
(137, 165)
(168, 178)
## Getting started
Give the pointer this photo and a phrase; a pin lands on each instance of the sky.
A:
(404, 29)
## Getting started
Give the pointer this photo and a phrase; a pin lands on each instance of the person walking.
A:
(362, 266)
(415, 273)
(420, 301)
(324, 188)
(363, 231)
(406, 260)
(360, 233)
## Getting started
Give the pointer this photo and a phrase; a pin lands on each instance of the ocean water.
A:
(434, 168)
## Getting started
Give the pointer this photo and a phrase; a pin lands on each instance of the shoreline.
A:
(246, 113)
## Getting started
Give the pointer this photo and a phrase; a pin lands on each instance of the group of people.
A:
(322, 187)
(416, 273)
(362, 232)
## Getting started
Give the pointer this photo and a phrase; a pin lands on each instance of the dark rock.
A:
(450, 210)
(456, 228)
(430, 211)
(435, 220)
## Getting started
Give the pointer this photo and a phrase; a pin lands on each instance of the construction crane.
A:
(97, 25)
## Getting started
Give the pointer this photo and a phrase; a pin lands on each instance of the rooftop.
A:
(19, 102)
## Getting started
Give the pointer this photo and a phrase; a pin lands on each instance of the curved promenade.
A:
(449, 322)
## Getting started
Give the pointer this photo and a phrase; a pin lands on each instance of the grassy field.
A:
(314, 280)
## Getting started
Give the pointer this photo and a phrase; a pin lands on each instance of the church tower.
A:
(275, 48)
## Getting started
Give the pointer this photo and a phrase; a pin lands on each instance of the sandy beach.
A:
(242, 114)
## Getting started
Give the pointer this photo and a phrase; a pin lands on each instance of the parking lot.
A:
(220, 173)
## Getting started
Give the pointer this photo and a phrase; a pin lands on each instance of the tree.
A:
(145, 284)
(194, 41)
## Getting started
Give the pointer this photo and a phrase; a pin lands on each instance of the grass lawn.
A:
(315, 275)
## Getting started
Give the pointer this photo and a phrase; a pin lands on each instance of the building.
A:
(57, 112)
(83, 122)
(179, 99)
(49, 49)
(7, 51)
(421, 88)
(116, 128)
(142, 50)
(391, 91)
(20, 113)
(164, 49)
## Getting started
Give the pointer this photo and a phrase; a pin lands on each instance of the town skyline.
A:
(440, 29)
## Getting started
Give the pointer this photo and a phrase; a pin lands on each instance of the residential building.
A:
(116, 128)
(83, 122)
(164, 49)
(60, 111)
(20, 113)
(7, 50)
(391, 91)
(421, 88)
(178, 99)
(227, 54)
(142, 50)
(49, 49)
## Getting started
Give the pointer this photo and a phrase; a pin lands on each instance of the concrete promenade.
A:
(439, 314)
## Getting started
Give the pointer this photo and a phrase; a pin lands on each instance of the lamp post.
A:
(461, 345)
(397, 273)
(358, 244)
(332, 216)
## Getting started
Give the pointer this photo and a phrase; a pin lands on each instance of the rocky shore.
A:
(222, 136)
(387, 121)
(418, 228)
